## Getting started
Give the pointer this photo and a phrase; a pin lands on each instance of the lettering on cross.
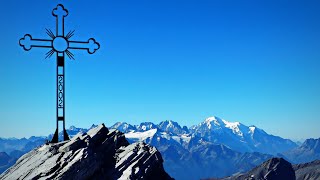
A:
(60, 44)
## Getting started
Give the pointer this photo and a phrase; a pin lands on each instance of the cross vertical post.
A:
(59, 44)
(60, 98)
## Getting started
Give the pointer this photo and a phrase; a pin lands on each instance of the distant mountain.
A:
(5, 161)
(172, 127)
(17, 147)
(273, 169)
(123, 127)
(187, 155)
(97, 154)
(145, 126)
(9, 144)
(308, 151)
(308, 171)
(241, 138)
(234, 135)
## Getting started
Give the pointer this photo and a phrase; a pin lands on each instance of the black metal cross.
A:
(59, 44)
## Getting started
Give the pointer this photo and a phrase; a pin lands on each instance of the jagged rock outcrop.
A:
(97, 154)
(273, 169)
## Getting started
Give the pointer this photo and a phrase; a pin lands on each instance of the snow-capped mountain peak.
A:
(217, 124)
(123, 127)
(213, 121)
(238, 136)
(171, 126)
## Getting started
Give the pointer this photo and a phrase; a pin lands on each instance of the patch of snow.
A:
(251, 129)
(183, 138)
(234, 126)
(165, 135)
(176, 138)
(186, 138)
(144, 127)
(170, 124)
(141, 136)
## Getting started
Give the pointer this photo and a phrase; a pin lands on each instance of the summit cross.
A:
(59, 44)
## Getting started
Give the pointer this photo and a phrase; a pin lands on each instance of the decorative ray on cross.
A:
(61, 45)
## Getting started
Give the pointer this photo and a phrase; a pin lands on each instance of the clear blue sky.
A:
(257, 62)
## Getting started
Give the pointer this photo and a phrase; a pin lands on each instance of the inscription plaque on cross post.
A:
(59, 44)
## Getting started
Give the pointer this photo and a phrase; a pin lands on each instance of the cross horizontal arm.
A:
(91, 45)
(27, 42)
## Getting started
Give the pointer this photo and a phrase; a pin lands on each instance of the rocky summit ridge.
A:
(272, 169)
(97, 154)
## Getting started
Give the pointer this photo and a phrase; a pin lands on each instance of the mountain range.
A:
(234, 135)
(212, 148)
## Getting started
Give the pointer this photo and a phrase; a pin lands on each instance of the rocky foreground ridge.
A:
(97, 154)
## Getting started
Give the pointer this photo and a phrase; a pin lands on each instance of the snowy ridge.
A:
(234, 135)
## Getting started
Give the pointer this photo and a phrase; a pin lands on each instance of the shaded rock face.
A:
(97, 154)
(273, 169)
(308, 171)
